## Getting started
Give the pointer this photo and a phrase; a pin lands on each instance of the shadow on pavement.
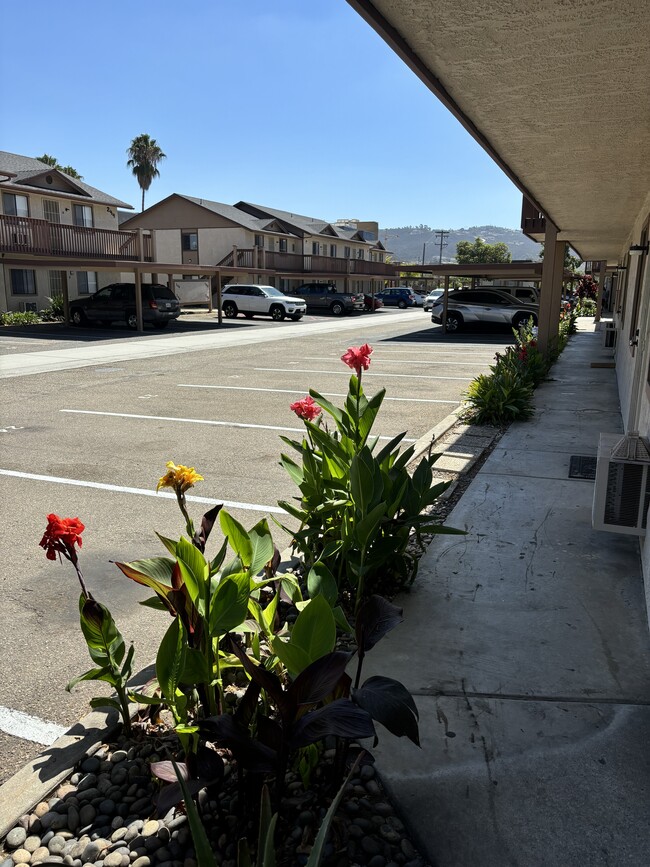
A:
(488, 334)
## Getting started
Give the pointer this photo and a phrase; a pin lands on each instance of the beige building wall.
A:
(214, 244)
(104, 216)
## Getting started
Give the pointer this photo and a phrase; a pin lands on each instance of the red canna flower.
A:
(61, 535)
(358, 357)
(307, 408)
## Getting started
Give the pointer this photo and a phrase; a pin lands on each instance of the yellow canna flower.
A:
(179, 478)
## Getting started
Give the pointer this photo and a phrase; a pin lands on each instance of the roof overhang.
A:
(557, 94)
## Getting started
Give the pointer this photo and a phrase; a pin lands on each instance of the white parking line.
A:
(301, 391)
(29, 728)
(144, 492)
(347, 373)
(380, 358)
(239, 424)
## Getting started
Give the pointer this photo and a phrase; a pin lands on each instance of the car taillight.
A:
(153, 304)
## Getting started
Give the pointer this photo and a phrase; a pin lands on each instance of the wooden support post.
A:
(551, 289)
(445, 301)
(138, 298)
(219, 310)
(601, 288)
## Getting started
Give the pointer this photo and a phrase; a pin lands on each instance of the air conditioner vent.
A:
(622, 490)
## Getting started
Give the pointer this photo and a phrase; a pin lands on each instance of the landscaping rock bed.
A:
(104, 817)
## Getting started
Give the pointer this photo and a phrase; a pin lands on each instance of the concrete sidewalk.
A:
(526, 647)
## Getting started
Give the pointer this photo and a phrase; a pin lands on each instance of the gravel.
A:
(94, 821)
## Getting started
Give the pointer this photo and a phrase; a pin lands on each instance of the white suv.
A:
(255, 300)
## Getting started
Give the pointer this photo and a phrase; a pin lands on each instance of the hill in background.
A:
(406, 243)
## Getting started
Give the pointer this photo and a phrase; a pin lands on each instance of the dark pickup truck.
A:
(323, 296)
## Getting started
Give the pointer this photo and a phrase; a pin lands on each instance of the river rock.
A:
(32, 843)
(56, 845)
(21, 856)
(41, 854)
(16, 838)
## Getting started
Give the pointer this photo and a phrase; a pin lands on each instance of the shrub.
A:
(498, 398)
(585, 307)
(15, 318)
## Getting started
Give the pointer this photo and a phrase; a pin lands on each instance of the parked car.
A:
(419, 298)
(398, 296)
(371, 302)
(433, 296)
(116, 303)
(523, 293)
(253, 299)
(483, 305)
(324, 296)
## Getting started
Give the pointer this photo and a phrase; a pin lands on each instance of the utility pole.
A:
(441, 240)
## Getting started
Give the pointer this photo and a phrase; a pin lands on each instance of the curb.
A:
(42, 774)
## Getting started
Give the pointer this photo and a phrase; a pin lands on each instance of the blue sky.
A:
(295, 104)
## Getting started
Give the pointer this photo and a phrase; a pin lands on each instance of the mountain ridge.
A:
(406, 243)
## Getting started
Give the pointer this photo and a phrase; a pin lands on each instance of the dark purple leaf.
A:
(165, 771)
(389, 702)
(248, 752)
(376, 618)
(248, 705)
(270, 733)
(318, 680)
(341, 718)
(207, 523)
(272, 566)
(209, 765)
(171, 795)
(266, 679)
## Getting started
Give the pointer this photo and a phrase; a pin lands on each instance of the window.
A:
(283, 245)
(315, 248)
(346, 252)
(86, 282)
(56, 283)
(259, 240)
(332, 249)
(82, 215)
(23, 282)
(51, 211)
(359, 254)
(15, 206)
(190, 241)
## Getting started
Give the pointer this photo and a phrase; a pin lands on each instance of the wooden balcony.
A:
(40, 238)
(296, 263)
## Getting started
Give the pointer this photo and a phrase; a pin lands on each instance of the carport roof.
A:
(557, 93)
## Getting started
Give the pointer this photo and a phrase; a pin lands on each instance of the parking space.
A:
(92, 442)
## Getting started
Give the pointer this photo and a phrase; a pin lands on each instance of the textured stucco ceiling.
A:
(559, 91)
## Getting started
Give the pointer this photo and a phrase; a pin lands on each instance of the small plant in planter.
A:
(358, 503)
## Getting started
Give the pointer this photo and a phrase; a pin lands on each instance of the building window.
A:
(271, 244)
(259, 240)
(86, 282)
(359, 254)
(332, 249)
(15, 206)
(315, 248)
(283, 245)
(190, 241)
(293, 248)
(23, 282)
(82, 215)
(346, 252)
(51, 211)
(56, 283)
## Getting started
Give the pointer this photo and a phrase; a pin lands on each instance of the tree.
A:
(52, 161)
(479, 252)
(144, 156)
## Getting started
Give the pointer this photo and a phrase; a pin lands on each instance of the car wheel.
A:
(521, 319)
(277, 313)
(230, 310)
(401, 305)
(132, 321)
(337, 308)
(296, 317)
(160, 325)
(454, 322)
(78, 317)
(248, 315)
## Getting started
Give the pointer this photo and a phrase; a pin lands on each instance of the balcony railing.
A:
(38, 237)
(296, 263)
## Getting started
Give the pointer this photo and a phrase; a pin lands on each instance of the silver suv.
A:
(469, 306)
(252, 299)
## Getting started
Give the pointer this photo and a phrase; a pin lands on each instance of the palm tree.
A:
(52, 161)
(144, 156)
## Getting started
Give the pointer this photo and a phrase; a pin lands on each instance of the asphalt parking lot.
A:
(92, 440)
